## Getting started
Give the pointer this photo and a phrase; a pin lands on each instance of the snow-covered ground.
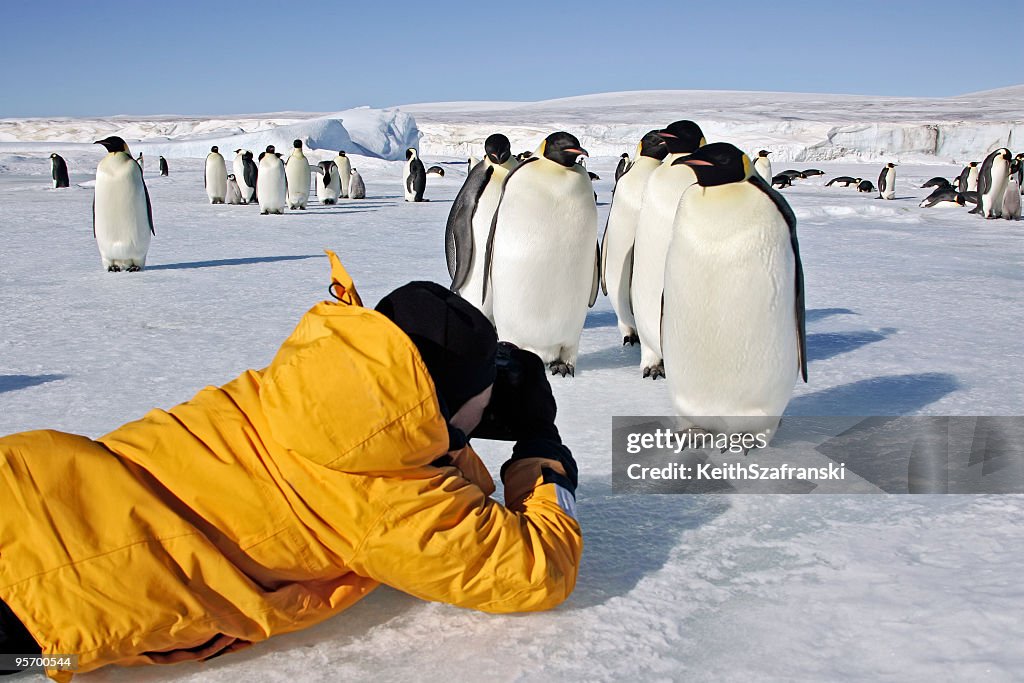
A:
(910, 311)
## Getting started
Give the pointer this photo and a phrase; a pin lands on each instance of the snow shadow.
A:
(231, 262)
(816, 314)
(825, 345)
(16, 382)
(629, 536)
(600, 319)
(892, 395)
(611, 357)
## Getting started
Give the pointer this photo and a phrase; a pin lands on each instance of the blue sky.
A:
(237, 56)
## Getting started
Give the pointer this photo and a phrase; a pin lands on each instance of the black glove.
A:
(522, 406)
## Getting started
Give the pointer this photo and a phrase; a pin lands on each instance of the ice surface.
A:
(910, 311)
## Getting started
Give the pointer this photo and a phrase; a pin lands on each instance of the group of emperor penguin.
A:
(994, 186)
(699, 258)
(275, 183)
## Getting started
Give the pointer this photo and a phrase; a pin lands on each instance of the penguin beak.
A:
(666, 134)
(693, 162)
(578, 150)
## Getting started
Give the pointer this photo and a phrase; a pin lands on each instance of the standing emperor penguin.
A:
(664, 187)
(992, 179)
(469, 221)
(164, 170)
(272, 183)
(1020, 170)
(763, 166)
(414, 177)
(234, 193)
(1011, 198)
(141, 162)
(541, 262)
(245, 174)
(216, 179)
(620, 232)
(344, 171)
(122, 215)
(967, 181)
(356, 187)
(297, 171)
(887, 182)
(59, 171)
(734, 337)
(621, 167)
(328, 185)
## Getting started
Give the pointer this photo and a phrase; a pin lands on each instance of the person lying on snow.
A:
(276, 501)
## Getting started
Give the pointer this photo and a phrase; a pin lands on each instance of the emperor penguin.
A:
(1011, 198)
(344, 171)
(297, 170)
(234, 194)
(938, 182)
(216, 179)
(967, 181)
(844, 179)
(943, 197)
(164, 170)
(59, 171)
(735, 333)
(469, 221)
(356, 187)
(122, 215)
(328, 185)
(763, 166)
(141, 162)
(436, 170)
(620, 231)
(664, 187)
(471, 163)
(414, 176)
(541, 267)
(245, 174)
(1020, 170)
(992, 180)
(887, 182)
(622, 166)
(272, 183)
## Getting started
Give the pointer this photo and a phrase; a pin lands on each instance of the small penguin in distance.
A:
(622, 166)
(937, 182)
(782, 180)
(843, 180)
(436, 170)
(234, 194)
(216, 178)
(59, 171)
(356, 187)
(344, 166)
(297, 172)
(865, 186)
(414, 178)
(122, 214)
(763, 165)
(164, 170)
(328, 184)
(272, 183)
(887, 182)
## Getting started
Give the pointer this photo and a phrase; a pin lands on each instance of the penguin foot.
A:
(562, 368)
(655, 371)
(630, 339)
(113, 268)
(133, 268)
(264, 213)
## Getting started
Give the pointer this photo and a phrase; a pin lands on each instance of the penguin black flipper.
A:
(881, 181)
(801, 311)
(604, 258)
(458, 234)
(250, 173)
(489, 251)
(597, 276)
(94, 215)
(149, 210)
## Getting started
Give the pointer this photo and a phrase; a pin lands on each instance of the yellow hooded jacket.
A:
(267, 505)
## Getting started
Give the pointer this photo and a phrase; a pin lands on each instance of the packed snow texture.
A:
(910, 311)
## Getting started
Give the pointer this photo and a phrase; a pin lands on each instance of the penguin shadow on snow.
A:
(629, 536)
(16, 382)
(825, 345)
(231, 262)
(816, 314)
(891, 395)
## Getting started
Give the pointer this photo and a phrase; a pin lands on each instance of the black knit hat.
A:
(455, 340)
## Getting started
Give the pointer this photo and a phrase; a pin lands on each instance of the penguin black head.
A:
(653, 145)
(341, 152)
(718, 164)
(1006, 154)
(683, 137)
(297, 144)
(410, 153)
(497, 148)
(270, 149)
(113, 144)
(763, 153)
(53, 156)
(214, 149)
(562, 148)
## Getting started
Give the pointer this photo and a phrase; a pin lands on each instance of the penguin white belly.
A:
(972, 179)
(410, 194)
(297, 172)
(344, 173)
(543, 261)
(328, 193)
(763, 166)
(993, 199)
(1011, 200)
(238, 167)
(620, 237)
(653, 234)
(731, 340)
(216, 178)
(890, 184)
(122, 221)
(472, 290)
(270, 186)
